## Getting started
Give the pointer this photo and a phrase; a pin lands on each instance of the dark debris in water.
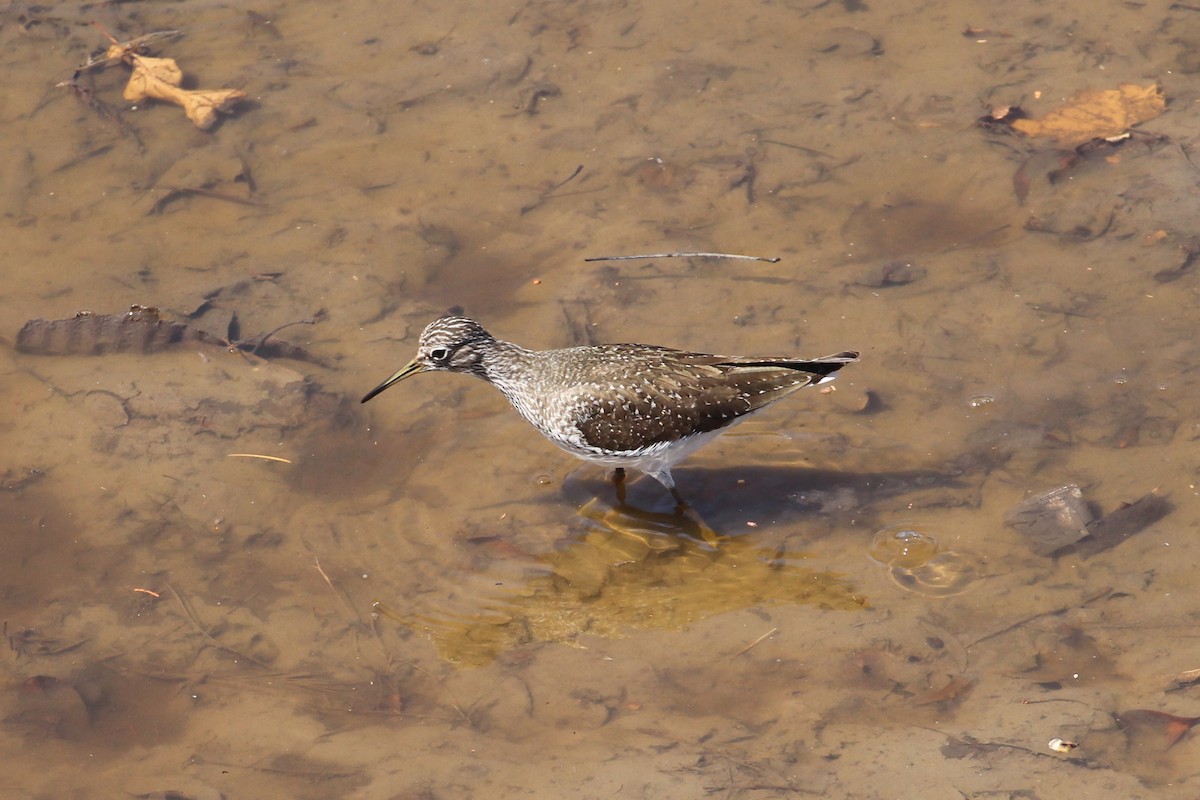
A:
(1059, 522)
(17, 478)
(143, 329)
(1118, 525)
(891, 273)
(1051, 520)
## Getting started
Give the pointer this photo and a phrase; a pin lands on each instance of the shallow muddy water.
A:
(421, 598)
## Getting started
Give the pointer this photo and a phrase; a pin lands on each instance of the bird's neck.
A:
(503, 364)
(507, 367)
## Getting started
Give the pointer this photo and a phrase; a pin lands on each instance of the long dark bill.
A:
(411, 368)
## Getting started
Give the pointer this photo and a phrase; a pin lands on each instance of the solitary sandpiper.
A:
(620, 405)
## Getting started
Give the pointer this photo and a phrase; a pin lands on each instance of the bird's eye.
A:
(439, 353)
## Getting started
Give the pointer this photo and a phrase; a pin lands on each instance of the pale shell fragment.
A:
(1062, 745)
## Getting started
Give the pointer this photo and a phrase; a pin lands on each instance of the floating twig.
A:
(308, 775)
(756, 642)
(336, 592)
(120, 50)
(172, 193)
(87, 96)
(251, 346)
(544, 196)
(212, 640)
(280, 459)
(567, 179)
(1055, 612)
(775, 260)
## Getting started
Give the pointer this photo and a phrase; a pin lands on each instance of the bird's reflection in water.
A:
(645, 524)
(627, 569)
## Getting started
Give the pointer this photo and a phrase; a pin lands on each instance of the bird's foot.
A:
(619, 484)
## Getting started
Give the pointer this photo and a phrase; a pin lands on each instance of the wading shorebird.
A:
(620, 405)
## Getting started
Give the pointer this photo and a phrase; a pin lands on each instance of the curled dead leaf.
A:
(160, 79)
(1154, 730)
(1097, 114)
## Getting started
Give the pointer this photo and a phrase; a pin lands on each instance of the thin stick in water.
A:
(336, 592)
(756, 642)
(280, 459)
(775, 260)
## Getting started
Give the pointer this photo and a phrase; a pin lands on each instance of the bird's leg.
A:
(691, 524)
(619, 483)
(680, 503)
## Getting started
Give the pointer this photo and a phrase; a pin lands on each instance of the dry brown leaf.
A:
(1097, 114)
(148, 73)
(159, 79)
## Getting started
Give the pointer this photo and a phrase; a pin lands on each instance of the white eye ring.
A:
(439, 353)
